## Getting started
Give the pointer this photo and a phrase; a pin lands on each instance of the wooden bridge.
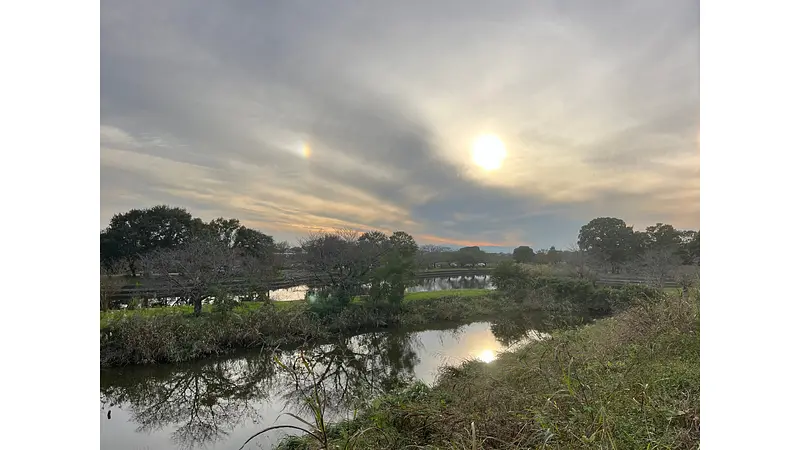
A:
(159, 289)
(155, 289)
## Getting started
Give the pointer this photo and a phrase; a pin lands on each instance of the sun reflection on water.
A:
(487, 356)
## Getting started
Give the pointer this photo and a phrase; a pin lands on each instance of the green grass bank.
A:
(107, 317)
(165, 335)
(631, 381)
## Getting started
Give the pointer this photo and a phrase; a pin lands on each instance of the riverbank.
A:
(629, 381)
(167, 335)
(106, 317)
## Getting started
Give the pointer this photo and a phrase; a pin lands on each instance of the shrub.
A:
(567, 300)
(224, 302)
(514, 280)
(329, 301)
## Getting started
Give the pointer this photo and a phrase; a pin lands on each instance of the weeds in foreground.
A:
(630, 381)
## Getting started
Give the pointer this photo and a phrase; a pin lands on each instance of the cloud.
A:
(211, 106)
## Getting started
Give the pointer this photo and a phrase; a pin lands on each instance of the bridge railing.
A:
(163, 290)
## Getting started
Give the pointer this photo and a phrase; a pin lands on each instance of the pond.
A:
(419, 285)
(220, 403)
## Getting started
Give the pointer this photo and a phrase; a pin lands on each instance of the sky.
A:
(295, 116)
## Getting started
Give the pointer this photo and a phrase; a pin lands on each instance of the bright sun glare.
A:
(488, 152)
(487, 356)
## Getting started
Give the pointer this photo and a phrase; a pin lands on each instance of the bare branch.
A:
(195, 270)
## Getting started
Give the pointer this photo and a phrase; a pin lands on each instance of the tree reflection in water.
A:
(512, 331)
(204, 402)
(460, 282)
(207, 401)
(352, 371)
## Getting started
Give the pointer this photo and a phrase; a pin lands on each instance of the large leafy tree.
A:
(251, 243)
(373, 245)
(523, 254)
(609, 240)
(224, 229)
(139, 231)
(470, 255)
(400, 264)
(666, 240)
(391, 261)
(660, 237)
(254, 243)
(690, 247)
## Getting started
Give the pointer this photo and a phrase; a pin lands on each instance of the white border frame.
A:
(50, 183)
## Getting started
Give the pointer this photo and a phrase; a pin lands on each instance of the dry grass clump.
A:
(630, 381)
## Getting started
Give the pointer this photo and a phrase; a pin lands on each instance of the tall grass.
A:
(628, 381)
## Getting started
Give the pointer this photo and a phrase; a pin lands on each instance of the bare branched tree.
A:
(658, 265)
(258, 274)
(195, 271)
(332, 259)
(112, 280)
(328, 257)
(580, 260)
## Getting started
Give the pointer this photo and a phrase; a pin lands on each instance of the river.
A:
(220, 403)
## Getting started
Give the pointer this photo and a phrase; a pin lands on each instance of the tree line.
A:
(139, 232)
(609, 244)
(525, 254)
(432, 256)
(198, 260)
(162, 240)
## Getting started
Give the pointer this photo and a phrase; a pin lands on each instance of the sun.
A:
(487, 356)
(488, 152)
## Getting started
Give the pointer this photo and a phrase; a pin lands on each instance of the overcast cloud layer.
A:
(209, 105)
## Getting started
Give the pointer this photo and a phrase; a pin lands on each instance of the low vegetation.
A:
(107, 317)
(177, 334)
(628, 381)
(448, 293)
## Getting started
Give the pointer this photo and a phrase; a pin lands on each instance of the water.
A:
(219, 404)
(420, 285)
